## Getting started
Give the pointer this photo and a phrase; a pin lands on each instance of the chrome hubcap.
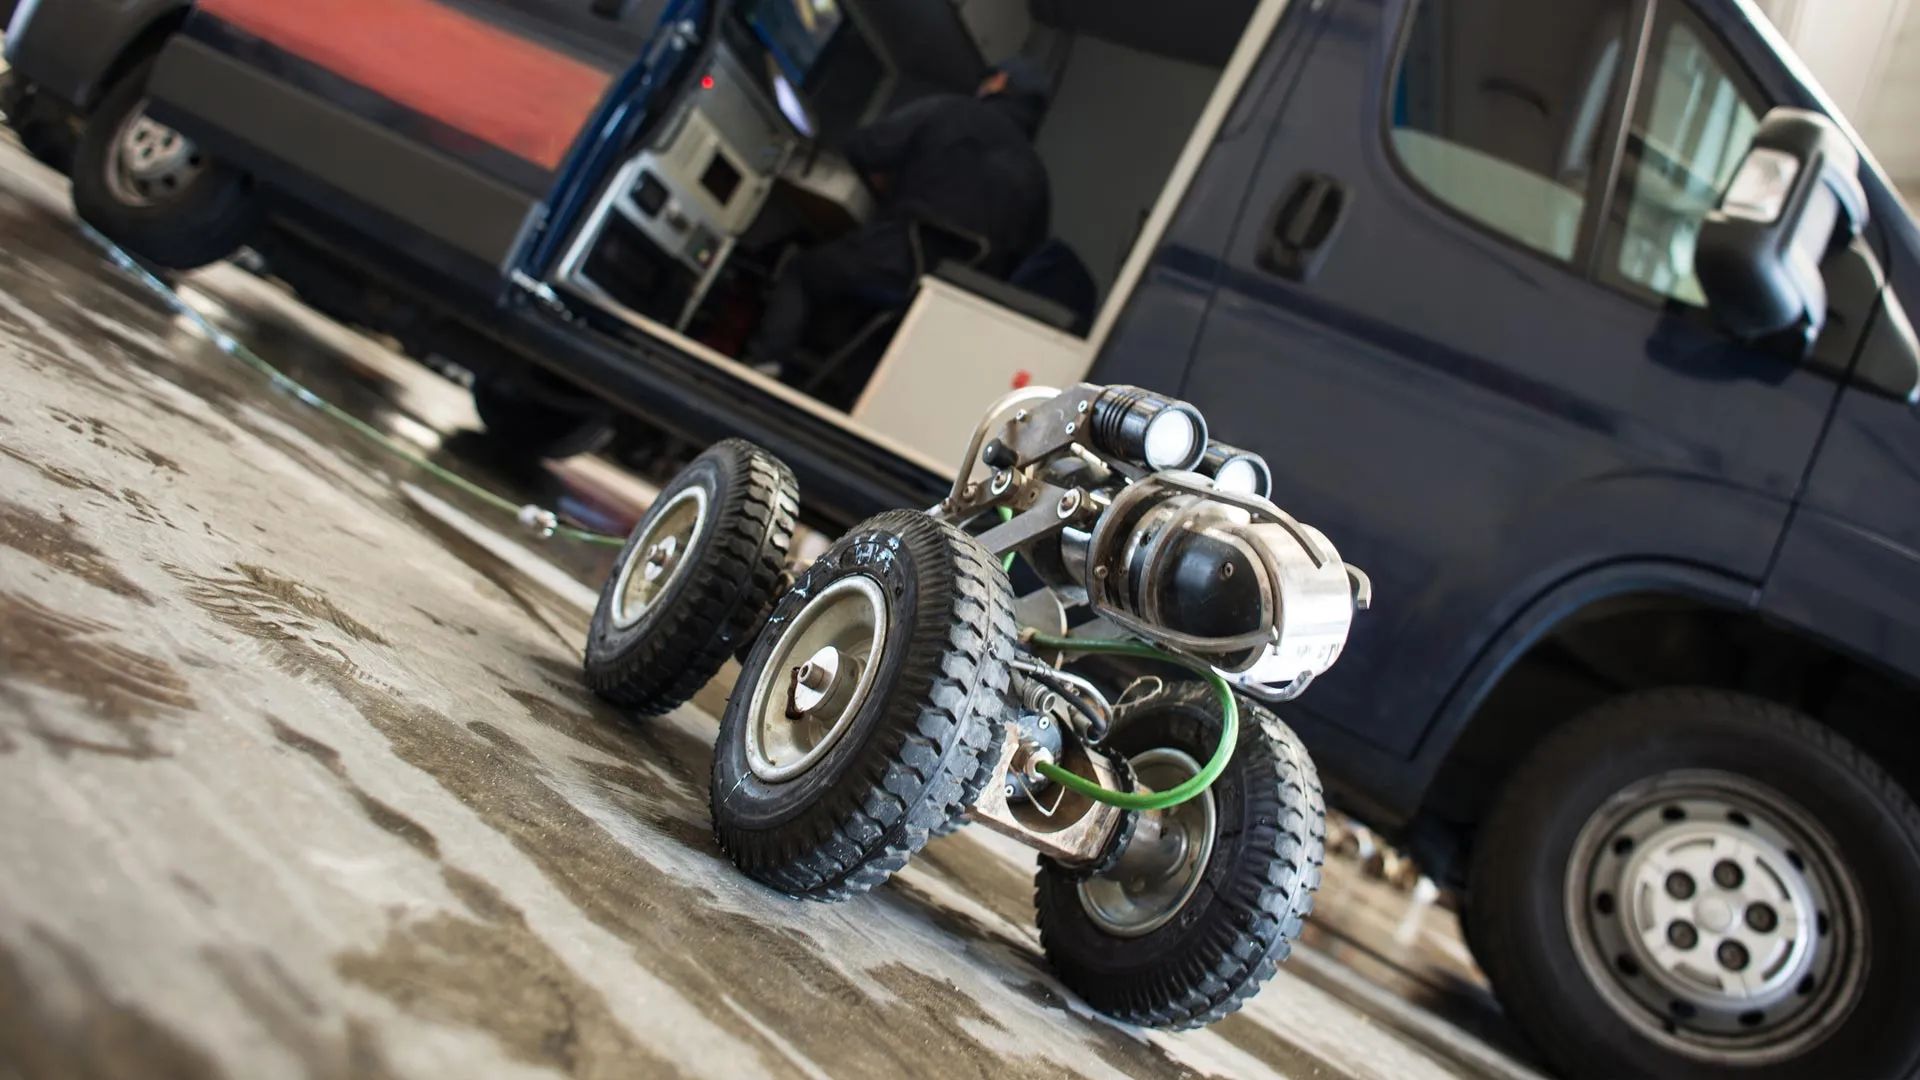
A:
(1164, 862)
(149, 162)
(819, 674)
(655, 561)
(1717, 917)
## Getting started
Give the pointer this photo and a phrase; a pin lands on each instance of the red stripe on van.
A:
(506, 90)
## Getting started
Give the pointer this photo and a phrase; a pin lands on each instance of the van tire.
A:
(533, 427)
(1645, 784)
(209, 216)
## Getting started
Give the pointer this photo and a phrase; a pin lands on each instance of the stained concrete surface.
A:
(297, 777)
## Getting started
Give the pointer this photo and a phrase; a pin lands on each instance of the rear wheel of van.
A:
(523, 421)
(151, 190)
(1700, 883)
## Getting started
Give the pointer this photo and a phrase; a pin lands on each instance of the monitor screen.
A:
(794, 31)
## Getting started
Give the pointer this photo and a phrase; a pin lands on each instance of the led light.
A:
(706, 82)
(1239, 475)
(1171, 439)
(1759, 190)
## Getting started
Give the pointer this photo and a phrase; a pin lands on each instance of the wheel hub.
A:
(150, 162)
(822, 683)
(1715, 915)
(655, 560)
(1165, 860)
(815, 681)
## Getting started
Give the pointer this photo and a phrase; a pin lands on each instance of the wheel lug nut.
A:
(1727, 874)
(1762, 918)
(1732, 955)
(1682, 934)
(1679, 885)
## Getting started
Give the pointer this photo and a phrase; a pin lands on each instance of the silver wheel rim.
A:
(148, 162)
(819, 674)
(655, 562)
(1716, 916)
(1129, 904)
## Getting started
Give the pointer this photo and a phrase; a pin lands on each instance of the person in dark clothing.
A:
(960, 163)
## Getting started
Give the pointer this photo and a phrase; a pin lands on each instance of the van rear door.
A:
(441, 125)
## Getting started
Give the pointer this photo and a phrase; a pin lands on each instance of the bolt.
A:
(1682, 934)
(1080, 408)
(1679, 885)
(1727, 874)
(1046, 722)
(1020, 416)
(1072, 427)
(1762, 918)
(1069, 504)
(1010, 791)
(1732, 955)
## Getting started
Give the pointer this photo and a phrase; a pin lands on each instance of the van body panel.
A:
(1409, 410)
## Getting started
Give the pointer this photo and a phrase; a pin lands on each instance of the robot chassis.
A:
(887, 695)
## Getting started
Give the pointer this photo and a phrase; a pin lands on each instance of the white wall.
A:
(1866, 54)
(1119, 119)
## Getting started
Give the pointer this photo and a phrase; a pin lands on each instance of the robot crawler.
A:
(895, 689)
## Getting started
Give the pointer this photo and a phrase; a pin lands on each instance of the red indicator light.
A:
(1021, 379)
(706, 82)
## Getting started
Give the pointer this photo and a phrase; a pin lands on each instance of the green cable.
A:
(232, 347)
(1179, 793)
(1006, 563)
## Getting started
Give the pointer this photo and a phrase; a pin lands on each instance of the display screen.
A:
(794, 31)
(721, 180)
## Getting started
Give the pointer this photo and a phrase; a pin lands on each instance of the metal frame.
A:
(1302, 579)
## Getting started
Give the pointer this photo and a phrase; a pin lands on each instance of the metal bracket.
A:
(1080, 840)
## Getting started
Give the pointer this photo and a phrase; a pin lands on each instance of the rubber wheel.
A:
(205, 219)
(664, 628)
(1812, 810)
(900, 756)
(521, 422)
(1254, 892)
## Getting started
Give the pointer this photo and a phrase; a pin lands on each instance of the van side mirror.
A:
(1795, 199)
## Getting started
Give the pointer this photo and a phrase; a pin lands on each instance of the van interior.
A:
(695, 227)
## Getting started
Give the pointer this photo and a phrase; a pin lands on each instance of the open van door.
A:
(445, 124)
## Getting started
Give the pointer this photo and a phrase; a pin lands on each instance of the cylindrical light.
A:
(1233, 469)
(1141, 426)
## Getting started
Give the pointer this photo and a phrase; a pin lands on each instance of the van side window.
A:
(1691, 126)
(1498, 106)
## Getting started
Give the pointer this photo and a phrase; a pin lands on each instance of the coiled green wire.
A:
(1126, 800)
(1006, 562)
(1179, 793)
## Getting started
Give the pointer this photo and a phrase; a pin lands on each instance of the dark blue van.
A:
(1642, 678)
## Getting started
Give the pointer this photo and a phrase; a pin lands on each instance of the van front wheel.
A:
(152, 190)
(1701, 883)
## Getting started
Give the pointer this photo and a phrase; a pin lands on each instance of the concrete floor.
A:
(298, 779)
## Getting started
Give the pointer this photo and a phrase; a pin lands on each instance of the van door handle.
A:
(1303, 226)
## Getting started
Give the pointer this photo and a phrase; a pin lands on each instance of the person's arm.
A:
(882, 147)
